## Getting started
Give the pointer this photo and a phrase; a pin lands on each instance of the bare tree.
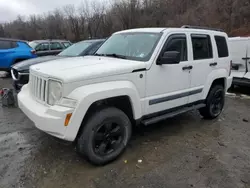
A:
(96, 19)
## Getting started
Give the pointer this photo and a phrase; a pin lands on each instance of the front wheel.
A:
(104, 136)
(214, 103)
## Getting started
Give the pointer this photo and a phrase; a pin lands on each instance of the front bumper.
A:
(49, 119)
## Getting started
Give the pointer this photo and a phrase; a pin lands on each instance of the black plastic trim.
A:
(245, 58)
(171, 110)
(139, 70)
(173, 97)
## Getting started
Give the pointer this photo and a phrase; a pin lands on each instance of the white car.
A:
(240, 52)
(138, 76)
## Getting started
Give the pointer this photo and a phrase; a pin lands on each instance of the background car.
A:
(20, 71)
(240, 52)
(49, 47)
(13, 51)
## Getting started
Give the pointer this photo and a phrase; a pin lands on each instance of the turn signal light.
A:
(67, 119)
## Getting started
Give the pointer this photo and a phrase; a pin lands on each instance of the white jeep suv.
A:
(138, 76)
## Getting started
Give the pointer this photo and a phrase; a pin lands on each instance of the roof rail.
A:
(200, 27)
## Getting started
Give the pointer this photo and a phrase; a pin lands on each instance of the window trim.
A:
(169, 38)
(218, 48)
(203, 36)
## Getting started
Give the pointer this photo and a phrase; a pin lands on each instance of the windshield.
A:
(33, 44)
(132, 46)
(75, 49)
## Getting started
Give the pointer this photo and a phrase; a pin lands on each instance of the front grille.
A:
(23, 79)
(38, 87)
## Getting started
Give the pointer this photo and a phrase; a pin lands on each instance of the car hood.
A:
(75, 69)
(25, 65)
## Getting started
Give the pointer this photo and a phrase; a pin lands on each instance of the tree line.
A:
(100, 19)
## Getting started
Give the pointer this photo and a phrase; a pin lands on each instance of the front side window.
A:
(221, 46)
(202, 47)
(177, 43)
(55, 46)
(42, 47)
(133, 46)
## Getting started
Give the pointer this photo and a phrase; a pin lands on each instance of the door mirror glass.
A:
(170, 57)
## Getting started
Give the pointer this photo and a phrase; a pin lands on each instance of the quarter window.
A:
(177, 43)
(221, 46)
(202, 47)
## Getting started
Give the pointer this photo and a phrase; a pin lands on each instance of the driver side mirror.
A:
(170, 57)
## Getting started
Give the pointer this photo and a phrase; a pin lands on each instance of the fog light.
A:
(67, 119)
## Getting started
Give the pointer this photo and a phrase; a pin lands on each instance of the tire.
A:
(214, 102)
(102, 129)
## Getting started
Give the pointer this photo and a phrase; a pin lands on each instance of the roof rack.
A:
(200, 27)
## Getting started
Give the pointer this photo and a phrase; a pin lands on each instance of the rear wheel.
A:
(104, 136)
(214, 102)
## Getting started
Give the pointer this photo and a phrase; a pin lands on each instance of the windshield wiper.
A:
(112, 55)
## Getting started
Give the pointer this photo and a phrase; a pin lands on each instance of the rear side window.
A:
(55, 46)
(202, 47)
(5, 44)
(221, 46)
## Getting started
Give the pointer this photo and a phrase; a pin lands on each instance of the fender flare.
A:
(214, 75)
(88, 94)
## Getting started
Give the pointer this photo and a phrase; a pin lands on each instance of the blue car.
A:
(13, 51)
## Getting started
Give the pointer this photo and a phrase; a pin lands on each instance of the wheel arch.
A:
(119, 94)
(215, 77)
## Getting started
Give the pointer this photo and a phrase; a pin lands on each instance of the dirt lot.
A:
(185, 151)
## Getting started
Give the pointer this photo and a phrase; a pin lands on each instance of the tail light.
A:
(33, 52)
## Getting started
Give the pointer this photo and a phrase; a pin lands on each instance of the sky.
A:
(9, 9)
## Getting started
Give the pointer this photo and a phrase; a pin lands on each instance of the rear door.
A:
(203, 62)
(238, 50)
(42, 49)
(55, 48)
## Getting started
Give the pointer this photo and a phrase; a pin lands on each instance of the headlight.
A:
(54, 91)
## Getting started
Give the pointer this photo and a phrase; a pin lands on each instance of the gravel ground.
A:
(185, 151)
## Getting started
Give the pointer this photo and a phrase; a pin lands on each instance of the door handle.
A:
(213, 64)
(187, 68)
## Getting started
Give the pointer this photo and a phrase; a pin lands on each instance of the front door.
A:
(167, 86)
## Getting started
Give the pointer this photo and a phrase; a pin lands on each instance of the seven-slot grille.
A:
(38, 87)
